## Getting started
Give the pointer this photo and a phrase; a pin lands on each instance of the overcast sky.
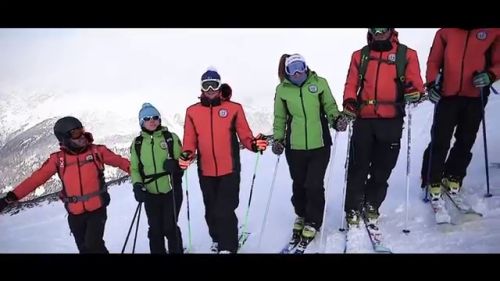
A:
(165, 65)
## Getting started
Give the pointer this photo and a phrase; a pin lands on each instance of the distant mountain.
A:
(27, 139)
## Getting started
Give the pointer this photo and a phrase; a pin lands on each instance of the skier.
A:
(382, 77)
(80, 166)
(211, 129)
(304, 109)
(157, 180)
(469, 59)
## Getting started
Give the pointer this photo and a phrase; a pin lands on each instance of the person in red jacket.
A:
(80, 166)
(468, 62)
(212, 128)
(376, 99)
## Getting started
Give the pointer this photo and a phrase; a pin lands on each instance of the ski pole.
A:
(262, 228)
(332, 157)
(174, 206)
(131, 225)
(408, 150)
(187, 202)
(488, 194)
(429, 160)
(346, 167)
(250, 196)
(137, 227)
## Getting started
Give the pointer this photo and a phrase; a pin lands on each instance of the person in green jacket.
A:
(154, 170)
(304, 110)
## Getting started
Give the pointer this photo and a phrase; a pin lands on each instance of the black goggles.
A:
(377, 31)
(210, 84)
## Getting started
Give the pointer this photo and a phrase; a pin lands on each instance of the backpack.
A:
(170, 148)
(401, 63)
(97, 160)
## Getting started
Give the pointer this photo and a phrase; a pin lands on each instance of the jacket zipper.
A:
(213, 145)
(154, 161)
(305, 117)
(463, 63)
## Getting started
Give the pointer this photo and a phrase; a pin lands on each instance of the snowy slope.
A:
(45, 230)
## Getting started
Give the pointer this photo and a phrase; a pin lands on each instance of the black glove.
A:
(351, 108)
(278, 147)
(340, 124)
(9, 198)
(139, 192)
(433, 92)
(171, 165)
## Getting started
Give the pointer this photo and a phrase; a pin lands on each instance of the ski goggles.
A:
(210, 84)
(294, 67)
(147, 118)
(76, 133)
(377, 31)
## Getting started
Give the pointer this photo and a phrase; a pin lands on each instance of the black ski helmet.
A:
(64, 125)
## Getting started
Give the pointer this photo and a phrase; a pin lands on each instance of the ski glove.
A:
(340, 124)
(413, 97)
(278, 147)
(186, 159)
(259, 143)
(433, 92)
(10, 198)
(139, 192)
(351, 107)
(482, 79)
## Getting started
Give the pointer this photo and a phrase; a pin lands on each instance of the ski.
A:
(458, 201)
(292, 244)
(242, 238)
(355, 238)
(301, 248)
(441, 214)
(438, 208)
(375, 237)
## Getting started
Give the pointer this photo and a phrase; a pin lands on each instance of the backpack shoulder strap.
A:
(137, 146)
(98, 159)
(363, 65)
(401, 61)
(61, 165)
(99, 163)
(170, 142)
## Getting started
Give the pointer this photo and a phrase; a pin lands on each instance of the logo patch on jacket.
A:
(391, 58)
(163, 144)
(89, 157)
(61, 162)
(223, 113)
(481, 35)
(313, 88)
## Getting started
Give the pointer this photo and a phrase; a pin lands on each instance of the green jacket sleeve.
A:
(280, 115)
(329, 104)
(134, 165)
(177, 146)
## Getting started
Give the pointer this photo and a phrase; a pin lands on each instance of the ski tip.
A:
(382, 249)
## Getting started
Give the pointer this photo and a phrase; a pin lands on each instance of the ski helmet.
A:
(64, 125)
